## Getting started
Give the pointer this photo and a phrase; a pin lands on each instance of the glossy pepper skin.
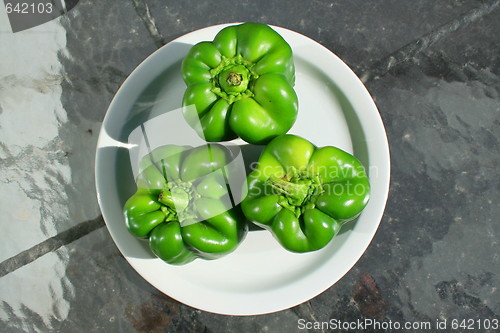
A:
(304, 194)
(240, 85)
(182, 206)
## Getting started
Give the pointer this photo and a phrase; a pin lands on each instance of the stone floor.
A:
(433, 69)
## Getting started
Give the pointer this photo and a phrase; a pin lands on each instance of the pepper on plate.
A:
(240, 85)
(304, 194)
(182, 204)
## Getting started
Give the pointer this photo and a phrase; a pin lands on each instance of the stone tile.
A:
(55, 85)
(37, 295)
(99, 56)
(434, 256)
(283, 321)
(472, 50)
(445, 144)
(359, 32)
(439, 236)
(85, 285)
(88, 285)
(34, 169)
(97, 60)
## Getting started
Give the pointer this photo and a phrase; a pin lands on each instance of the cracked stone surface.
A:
(435, 255)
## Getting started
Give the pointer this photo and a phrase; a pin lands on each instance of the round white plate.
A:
(260, 276)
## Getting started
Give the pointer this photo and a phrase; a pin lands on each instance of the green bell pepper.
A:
(240, 84)
(304, 194)
(183, 206)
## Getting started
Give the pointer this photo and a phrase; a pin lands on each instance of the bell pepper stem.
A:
(165, 198)
(175, 198)
(170, 214)
(178, 201)
(180, 198)
(234, 79)
(297, 192)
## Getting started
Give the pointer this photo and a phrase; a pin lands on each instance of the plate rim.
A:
(382, 136)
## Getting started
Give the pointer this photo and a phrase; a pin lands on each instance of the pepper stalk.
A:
(178, 199)
(298, 191)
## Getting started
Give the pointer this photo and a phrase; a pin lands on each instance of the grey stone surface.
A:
(435, 255)
(360, 33)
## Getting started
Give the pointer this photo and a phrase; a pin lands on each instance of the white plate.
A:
(260, 276)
